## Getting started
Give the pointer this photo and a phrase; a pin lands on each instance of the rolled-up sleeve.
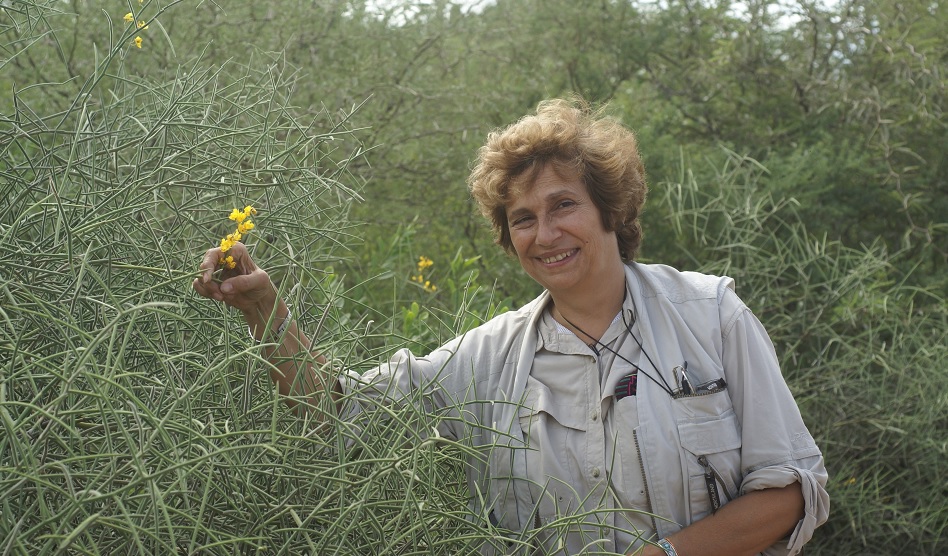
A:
(403, 380)
(777, 448)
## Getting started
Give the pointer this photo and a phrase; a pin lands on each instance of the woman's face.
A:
(557, 233)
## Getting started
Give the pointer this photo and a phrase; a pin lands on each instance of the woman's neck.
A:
(590, 314)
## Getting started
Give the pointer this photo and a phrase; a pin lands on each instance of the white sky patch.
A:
(400, 11)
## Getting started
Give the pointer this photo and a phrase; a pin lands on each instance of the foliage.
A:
(797, 149)
(135, 417)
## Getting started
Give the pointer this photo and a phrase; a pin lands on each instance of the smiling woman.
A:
(598, 151)
(650, 417)
(559, 237)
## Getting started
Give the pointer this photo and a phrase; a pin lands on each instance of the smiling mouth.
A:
(558, 258)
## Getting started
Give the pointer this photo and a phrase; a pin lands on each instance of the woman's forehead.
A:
(525, 180)
(547, 189)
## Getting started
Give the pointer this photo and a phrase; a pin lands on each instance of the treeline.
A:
(843, 105)
(797, 147)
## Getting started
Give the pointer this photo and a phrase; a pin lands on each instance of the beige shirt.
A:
(751, 432)
(582, 461)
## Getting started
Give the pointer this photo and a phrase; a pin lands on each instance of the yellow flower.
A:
(243, 226)
(128, 18)
(138, 42)
(141, 25)
(241, 215)
(423, 263)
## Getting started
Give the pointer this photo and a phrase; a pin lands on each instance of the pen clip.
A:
(681, 378)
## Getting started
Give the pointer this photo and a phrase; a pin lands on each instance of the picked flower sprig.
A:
(244, 225)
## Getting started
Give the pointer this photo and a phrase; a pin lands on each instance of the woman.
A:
(641, 409)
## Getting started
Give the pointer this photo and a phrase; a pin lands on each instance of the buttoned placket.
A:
(600, 460)
(617, 435)
(582, 382)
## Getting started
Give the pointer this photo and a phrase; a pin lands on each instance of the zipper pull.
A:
(711, 483)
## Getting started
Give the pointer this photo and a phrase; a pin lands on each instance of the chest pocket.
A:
(553, 433)
(549, 430)
(711, 438)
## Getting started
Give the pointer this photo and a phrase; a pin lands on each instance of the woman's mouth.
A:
(558, 258)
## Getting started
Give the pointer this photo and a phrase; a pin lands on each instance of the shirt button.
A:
(594, 417)
(596, 472)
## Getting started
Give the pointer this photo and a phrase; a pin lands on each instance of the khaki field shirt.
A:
(748, 430)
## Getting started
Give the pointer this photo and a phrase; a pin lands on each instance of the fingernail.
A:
(226, 288)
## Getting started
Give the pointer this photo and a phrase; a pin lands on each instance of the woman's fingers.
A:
(209, 264)
(212, 261)
(249, 292)
(207, 288)
(241, 286)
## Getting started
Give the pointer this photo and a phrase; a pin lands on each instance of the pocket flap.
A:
(538, 399)
(710, 437)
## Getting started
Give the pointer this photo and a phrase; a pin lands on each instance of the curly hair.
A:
(577, 141)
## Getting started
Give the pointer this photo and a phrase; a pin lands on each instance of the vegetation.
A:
(798, 148)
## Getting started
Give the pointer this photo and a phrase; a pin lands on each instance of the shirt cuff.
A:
(812, 480)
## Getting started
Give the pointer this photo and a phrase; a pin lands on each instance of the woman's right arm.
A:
(248, 289)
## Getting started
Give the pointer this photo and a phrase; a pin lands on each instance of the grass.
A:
(138, 419)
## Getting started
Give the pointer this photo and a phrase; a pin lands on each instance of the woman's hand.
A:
(246, 287)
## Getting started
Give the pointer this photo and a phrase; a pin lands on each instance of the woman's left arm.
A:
(745, 526)
(782, 495)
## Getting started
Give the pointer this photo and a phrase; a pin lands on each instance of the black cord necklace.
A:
(628, 327)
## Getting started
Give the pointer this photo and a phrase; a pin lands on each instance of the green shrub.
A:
(137, 418)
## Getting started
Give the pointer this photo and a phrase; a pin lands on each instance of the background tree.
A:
(797, 147)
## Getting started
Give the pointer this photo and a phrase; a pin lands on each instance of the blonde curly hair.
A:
(577, 141)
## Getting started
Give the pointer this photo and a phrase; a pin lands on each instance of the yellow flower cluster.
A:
(130, 18)
(244, 225)
(424, 263)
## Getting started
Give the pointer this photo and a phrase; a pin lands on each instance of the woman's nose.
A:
(547, 231)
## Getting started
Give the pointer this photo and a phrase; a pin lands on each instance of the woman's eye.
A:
(520, 222)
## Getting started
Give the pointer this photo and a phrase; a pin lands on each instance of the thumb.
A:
(236, 284)
(254, 284)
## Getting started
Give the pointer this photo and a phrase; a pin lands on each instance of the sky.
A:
(467, 5)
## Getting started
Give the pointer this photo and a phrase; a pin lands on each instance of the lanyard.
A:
(628, 327)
